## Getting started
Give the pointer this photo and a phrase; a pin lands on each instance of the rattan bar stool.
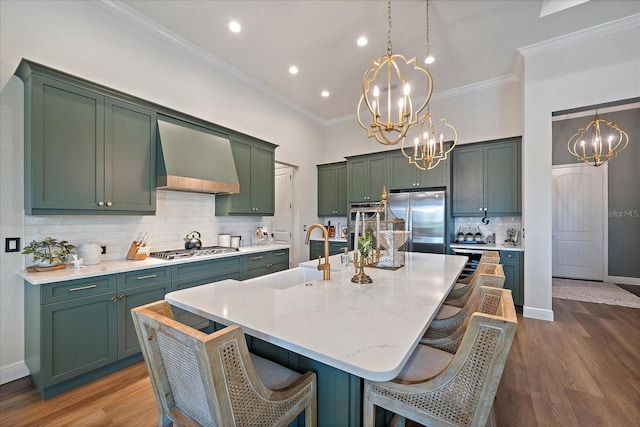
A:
(446, 334)
(462, 285)
(436, 388)
(486, 275)
(213, 380)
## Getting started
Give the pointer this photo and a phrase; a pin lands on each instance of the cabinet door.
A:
(341, 190)
(327, 185)
(436, 177)
(128, 344)
(512, 265)
(467, 180)
(377, 178)
(238, 203)
(78, 336)
(358, 180)
(64, 152)
(130, 151)
(502, 178)
(403, 174)
(263, 181)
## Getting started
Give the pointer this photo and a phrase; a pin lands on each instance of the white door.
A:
(283, 218)
(578, 222)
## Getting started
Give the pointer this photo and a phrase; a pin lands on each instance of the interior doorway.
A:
(579, 222)
(283, 217)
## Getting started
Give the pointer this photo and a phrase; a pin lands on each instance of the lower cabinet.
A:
(513, 266)
(78, 330)
(316, 248)
(261, 263)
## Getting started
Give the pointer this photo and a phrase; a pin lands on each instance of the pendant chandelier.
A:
(433, 138)
(387, 94)
(598, 142)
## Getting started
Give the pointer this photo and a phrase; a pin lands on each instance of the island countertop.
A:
(366, 330)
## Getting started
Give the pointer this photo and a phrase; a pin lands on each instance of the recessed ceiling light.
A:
(362, 41)
(234, 27)
(325, 93)
(429, 59)
(293, 69)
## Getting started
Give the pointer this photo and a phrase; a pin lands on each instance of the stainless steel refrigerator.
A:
(425, 218)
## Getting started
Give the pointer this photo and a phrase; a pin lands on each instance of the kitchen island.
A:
(343, 331)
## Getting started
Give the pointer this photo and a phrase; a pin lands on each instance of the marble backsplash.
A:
(177, 213)
(496, 225)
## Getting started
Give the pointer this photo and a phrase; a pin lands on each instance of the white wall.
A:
(603, 66)
(87, 40)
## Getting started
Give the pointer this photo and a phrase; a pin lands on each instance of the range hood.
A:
(192, 159)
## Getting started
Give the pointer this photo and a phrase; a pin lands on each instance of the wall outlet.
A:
(104, 249)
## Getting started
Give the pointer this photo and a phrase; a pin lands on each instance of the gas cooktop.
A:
(186, 253)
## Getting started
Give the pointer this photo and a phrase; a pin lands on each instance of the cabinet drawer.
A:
(508, 255)
(206, 267)
(144, 277)
(257, 259)
(73, 289)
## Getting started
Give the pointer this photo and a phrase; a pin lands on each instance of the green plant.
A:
(364, 245)
(49, 250)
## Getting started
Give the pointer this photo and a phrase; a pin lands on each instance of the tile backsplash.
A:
(177, 213)
(496, 225)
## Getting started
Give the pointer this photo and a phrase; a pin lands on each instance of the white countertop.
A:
(125, 265)
(485, 247)
(366, 330)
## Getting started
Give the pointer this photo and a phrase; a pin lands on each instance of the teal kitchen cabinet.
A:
(513, 266)
(332, 189)
(261, 263)
(403, 175)
(79, 330)
(86, 153)
(366, 176)
(135, 289)
(255, 165)
(198, 273)
(316, 248)
(487, 178)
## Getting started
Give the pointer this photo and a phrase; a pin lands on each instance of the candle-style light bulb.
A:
(400, 109)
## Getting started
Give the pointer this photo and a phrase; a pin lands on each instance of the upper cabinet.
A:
(255, 165)
(366, 176)
(85, 152)
(332, 189)
(404, 175)
(487, 178)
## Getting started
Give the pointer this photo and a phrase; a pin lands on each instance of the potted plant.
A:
(49, 252)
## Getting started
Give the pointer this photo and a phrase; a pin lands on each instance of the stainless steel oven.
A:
(368, 208)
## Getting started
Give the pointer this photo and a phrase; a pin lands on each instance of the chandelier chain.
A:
(427, 19)
(389, 49)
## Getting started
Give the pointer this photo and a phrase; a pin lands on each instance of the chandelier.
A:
(435, 137)
(598, 142)
(386, 94)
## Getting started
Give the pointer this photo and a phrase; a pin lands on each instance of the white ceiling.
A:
(473, 40)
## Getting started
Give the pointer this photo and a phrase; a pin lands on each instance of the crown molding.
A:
(628, 22)
(141, 21)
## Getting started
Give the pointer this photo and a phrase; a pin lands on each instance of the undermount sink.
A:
(287, 278)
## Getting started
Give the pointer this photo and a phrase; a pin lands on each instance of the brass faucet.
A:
(326, 268)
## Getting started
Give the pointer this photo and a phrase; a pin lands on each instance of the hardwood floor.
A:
(581, 370)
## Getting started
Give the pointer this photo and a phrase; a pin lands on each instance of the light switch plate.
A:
(12, 244)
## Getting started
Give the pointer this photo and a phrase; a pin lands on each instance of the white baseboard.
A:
(13, 372)
(624, 280)
(537, 313)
